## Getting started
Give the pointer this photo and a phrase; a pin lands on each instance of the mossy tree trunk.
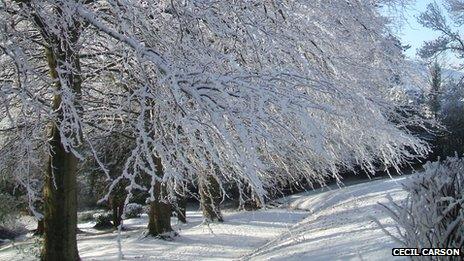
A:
(211, 197)
(60, 194)
(60, 206)
(160, 212)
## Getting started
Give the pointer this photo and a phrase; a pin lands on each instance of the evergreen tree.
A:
(435, 89)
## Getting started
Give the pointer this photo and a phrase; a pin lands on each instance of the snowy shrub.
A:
(133, 210)
(432, 215)
(8, 209)
(10, 227)
(7, 234)
(86, 216)
(103, 221)
(146, 209)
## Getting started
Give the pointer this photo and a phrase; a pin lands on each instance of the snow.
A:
(325, 224)
(339, 225)
(242, 232)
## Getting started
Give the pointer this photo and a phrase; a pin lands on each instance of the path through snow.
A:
(339, 226)
(326, 224)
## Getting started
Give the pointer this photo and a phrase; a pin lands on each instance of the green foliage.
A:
(435, 89)
(451, 141)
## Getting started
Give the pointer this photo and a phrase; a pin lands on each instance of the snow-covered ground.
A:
(326, 224)
(339, 225)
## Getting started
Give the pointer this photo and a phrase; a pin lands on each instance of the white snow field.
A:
(325, 224)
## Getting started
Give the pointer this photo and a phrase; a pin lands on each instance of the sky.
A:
(412, 32)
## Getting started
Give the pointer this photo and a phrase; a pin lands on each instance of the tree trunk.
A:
(39, 231)
(160, 212)
(60, 194)
(211, 197)
(180, 208)
(251, 202)
(118, 207)
(60, 206)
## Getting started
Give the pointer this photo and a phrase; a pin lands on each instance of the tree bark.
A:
(180, 208)
(160, 212)
(39, 231)
(251, 202)
(60, 206)
(117, 207)
(211, 197)
(60, 194)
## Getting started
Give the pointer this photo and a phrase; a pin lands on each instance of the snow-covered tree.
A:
(451, 140)
(232, 90)
(435, 89)
(447, 25)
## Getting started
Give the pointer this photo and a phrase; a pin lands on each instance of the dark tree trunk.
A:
(180, 208)
(251, 202)
(160, 212)
(60, 194)
(39, 231)
(160, 215)
(211, 197)
(60, 203)
(118, 208)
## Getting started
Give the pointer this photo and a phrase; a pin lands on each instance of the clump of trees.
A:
(446, 96)
(447, 105)
(447, 24)
(452, 117)
(207, 93)
(432, 215)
